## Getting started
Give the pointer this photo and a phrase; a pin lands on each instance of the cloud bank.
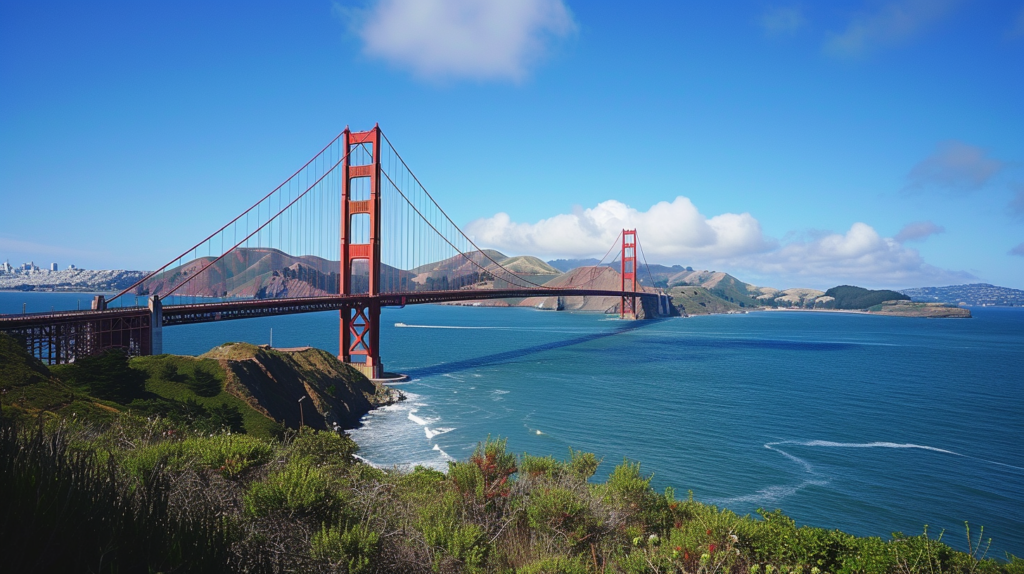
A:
(678, 233)
(894, 22)
(477, 39)
(955, 166)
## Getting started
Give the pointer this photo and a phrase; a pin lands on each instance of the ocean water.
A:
(868, 424)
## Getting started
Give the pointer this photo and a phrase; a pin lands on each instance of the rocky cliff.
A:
(272, 381)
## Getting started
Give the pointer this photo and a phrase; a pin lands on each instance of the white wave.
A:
(431, 433)
(418, 420)
(369, 462)
(444, 455)
(500, 392)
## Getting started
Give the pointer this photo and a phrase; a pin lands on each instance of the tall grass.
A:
(64, 511)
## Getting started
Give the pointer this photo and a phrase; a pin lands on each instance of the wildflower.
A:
(734, 538)
(712, 547)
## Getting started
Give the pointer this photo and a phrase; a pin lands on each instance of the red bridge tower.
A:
(627, 307)
(360, 322)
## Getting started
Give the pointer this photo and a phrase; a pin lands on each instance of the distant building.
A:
(72, 266)
(53, 267)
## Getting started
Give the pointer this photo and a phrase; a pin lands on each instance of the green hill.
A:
(851, 297)
(235, 387)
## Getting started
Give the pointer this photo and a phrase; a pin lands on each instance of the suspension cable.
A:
(257, 230)
(225, 226)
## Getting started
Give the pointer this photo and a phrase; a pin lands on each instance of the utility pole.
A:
(302, 417)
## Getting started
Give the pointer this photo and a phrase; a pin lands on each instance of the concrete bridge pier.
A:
(156, 325)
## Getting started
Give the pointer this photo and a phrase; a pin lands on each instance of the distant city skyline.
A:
(875, 143)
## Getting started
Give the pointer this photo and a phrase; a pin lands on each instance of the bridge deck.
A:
(249, 308)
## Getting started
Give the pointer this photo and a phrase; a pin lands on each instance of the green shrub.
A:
(639, 504)
(204, 383)
(320, 448)
(168, 371)
(496, 469)
(108, 376)
(226, 417)
(561, 512)
(627, 484)
(356, 547)
(535, 466)
(468, 479)
(231, 455)
(297, 489)
(449, 535)
(583, 464)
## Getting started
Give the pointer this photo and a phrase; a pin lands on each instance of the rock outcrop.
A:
(273, 381)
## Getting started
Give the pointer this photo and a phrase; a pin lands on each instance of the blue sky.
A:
(793, 144)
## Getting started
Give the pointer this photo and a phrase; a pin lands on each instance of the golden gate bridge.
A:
(353, 230)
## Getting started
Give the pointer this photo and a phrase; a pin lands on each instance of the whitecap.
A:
(418, 420)
(444, 455)
(431, 433)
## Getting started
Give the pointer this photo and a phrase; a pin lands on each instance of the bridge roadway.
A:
(249, 308)
(206, 312)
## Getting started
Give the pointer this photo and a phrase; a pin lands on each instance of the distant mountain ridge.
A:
(264, 273)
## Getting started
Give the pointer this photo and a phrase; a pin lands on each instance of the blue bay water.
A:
(867, 424)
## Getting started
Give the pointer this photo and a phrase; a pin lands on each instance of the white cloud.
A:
(860, 256)
(778, 21)
(895, 22)
(480, 39)
(918, 231)
(677, 232)
(672, 231)
(954, 165)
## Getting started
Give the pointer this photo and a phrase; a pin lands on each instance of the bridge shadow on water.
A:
(674, 346)
(507, 357)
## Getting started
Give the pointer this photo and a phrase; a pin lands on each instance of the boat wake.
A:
(773, 494)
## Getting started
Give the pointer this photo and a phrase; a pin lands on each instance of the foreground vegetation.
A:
(148, 466)
(132, 496)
